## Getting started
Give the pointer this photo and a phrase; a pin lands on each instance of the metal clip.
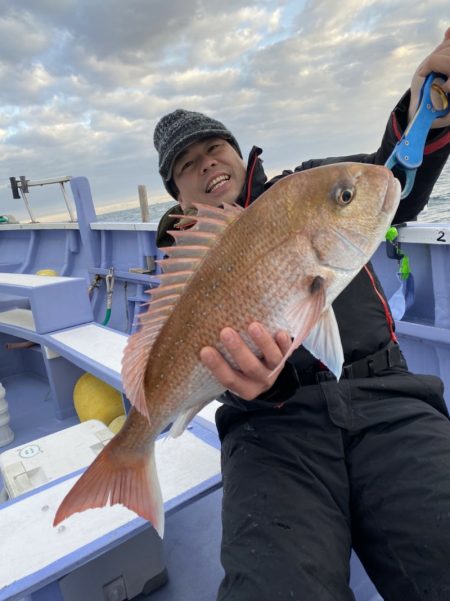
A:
(109, 279)
(95, 283)
(409, 150)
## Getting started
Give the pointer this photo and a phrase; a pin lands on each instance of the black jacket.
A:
(361, 309)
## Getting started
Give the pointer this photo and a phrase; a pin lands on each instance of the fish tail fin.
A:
(128, 477)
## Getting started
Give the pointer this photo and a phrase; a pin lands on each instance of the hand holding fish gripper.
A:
(408, 154)
(409, 150)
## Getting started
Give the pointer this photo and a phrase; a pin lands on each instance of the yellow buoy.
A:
(117, 423)
(51, 272)
(94, 399)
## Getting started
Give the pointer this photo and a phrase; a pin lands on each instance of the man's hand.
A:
(439, 62)
(255, 375)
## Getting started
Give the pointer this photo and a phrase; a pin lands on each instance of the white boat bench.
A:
(60, 320)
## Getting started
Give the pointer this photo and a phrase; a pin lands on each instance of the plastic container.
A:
(35, 463)
(6, 434)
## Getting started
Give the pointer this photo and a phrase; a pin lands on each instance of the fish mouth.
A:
(392, 196)
(216, 182)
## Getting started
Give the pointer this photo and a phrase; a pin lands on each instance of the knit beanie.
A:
(178, 130)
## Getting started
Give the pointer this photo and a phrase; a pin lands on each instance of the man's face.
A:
(210, 172)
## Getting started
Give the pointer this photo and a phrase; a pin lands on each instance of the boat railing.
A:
(20, 187)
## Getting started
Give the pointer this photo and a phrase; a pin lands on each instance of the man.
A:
(312, 466)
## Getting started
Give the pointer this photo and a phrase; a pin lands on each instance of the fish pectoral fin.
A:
(324, 342)
(302, 315)
(120, 476)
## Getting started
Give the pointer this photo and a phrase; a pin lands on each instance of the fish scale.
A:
(281, 262)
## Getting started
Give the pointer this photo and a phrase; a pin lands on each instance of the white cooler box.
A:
(33, 464)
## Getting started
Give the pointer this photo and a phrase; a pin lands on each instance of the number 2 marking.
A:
(441, 237)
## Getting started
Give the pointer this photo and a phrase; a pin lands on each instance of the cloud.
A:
(20, 38)
(83, 82)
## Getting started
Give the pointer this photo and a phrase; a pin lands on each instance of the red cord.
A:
(387, 313)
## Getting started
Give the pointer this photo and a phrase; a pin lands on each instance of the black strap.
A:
(389, 356)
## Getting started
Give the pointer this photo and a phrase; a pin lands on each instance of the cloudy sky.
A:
(83, 82)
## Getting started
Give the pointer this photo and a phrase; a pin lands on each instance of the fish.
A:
(281, 261)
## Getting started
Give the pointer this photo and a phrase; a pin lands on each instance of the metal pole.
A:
(27, 204)
(63, 190)
(143, 201)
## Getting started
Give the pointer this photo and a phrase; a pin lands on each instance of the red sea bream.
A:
(281, 262)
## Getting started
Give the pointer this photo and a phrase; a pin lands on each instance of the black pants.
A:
(362, 463)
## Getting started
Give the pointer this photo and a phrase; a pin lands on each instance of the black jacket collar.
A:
(255, 179)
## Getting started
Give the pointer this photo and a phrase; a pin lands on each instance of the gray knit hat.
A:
(176, 131)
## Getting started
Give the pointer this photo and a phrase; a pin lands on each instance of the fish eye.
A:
(344, 196)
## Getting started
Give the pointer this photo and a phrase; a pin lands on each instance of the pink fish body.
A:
(281, 262)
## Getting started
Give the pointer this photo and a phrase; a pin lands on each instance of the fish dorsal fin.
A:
(191, 246)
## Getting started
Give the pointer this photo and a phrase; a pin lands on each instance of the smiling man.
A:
(313, 466)
(201, 157)
(210, 171)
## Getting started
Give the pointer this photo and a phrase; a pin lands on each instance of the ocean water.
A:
(133, 215)
(438, 209)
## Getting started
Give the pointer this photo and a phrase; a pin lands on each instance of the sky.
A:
(84, 82)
